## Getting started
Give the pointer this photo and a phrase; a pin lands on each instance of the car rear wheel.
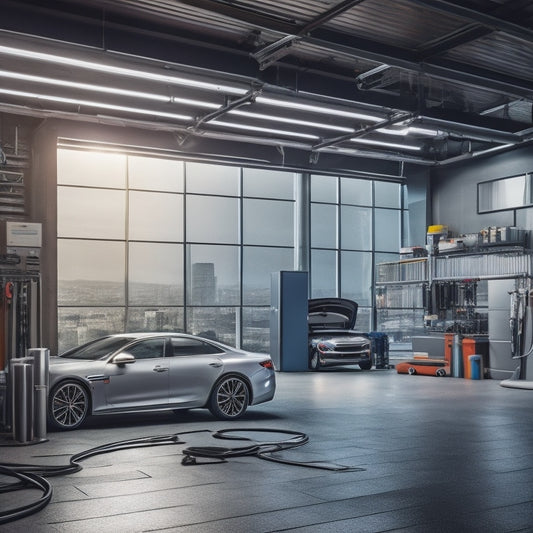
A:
(314, 361)
(68, 405)
(229, 399)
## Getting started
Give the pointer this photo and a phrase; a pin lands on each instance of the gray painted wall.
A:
(418, 190)
(454, 192)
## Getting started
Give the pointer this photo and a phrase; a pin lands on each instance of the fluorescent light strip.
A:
(162, 98)
(406, 131)
(262, 130)
(317, 109)
(83, 86)
(287, 120)
(100, 105)
(101, 67)
(389, 145)
(107, 90)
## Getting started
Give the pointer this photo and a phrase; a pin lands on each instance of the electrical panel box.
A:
(23, 234)
(20, 246)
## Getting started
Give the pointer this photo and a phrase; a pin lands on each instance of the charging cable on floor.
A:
(263, 450)
(32, 476)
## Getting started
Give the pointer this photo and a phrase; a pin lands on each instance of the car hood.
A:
(331, 313)
(57, 361)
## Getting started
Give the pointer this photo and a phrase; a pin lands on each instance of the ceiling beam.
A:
(272, 52)
(394, 56)
(495, 22)
(406, 60)
(472, 31)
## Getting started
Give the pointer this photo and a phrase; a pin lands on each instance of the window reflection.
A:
(324, 226)
(356, 226)
(258, 265)
(505, 193)
(387, 232)
(91, 213)
(324, 268)
(90, 272)
(213, 274)
(79, 325)
(212, 219)
(155, 216)
(387, 194)
(155, 274)
(203, 178)
(268, 222)
(216, 323)
(324, 189)
(262, 183)
(155, 174)
(155, 318)
(256, 329)
(356, 192)
(92, 169)
(356, 277)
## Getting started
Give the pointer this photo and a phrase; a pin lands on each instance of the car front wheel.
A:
(68, 405)
(367, 365)
(229, 399)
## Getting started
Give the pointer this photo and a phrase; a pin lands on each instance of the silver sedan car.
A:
(134, 372)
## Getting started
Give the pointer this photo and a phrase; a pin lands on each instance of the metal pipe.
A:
(22, 402)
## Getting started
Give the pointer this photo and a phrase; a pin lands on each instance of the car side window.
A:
(186, 346)
(148, 349)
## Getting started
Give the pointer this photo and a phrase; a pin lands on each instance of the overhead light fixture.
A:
(408, 130)
(82, 86)
(121, 71)
(288, 120)
(385, 144)
(100, 105)
(107, 90)
(263, 130)
(317, 109)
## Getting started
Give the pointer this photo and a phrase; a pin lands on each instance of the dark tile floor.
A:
(437, 455)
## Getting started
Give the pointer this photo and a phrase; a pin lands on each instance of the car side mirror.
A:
(123, 359)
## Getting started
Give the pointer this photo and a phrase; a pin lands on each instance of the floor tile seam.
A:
(129, 494)
(101, 517)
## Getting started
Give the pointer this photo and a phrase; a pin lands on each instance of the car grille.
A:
(345, 347)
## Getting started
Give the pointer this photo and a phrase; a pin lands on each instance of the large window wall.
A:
(159, 244)
(146, 243)
(355, 224)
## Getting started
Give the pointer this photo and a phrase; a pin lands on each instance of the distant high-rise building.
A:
(154, 320)
(203, 289)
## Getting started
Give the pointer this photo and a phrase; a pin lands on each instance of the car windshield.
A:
(97, 349)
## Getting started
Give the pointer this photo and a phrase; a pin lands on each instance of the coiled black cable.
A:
(33, 475)
(263, 450)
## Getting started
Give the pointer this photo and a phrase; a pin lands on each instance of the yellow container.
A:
(438, 228)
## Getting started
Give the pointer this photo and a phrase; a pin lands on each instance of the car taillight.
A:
(267, 364)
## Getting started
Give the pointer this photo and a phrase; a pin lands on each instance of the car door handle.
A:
(160, 369)
(216, 364)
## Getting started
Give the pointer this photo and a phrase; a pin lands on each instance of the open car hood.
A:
(332, 313)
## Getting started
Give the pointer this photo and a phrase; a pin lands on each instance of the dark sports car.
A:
(332, 340)
(135, 372)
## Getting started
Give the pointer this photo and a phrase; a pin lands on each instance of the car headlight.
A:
(325, 346)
